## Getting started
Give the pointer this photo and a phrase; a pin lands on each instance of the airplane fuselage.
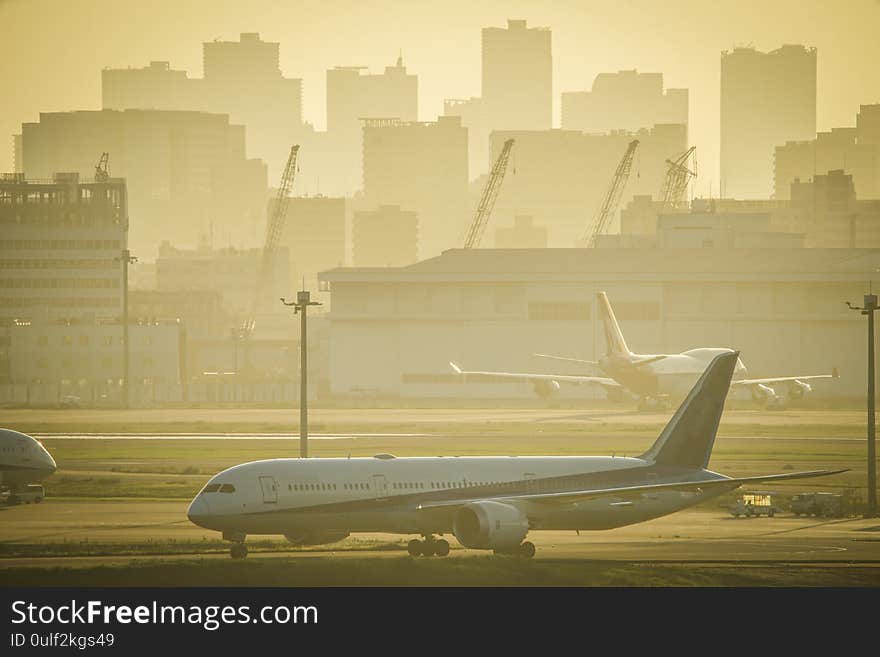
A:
(23, 460)
(395, 495)
(663, 375)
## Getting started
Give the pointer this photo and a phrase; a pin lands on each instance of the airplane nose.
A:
(198, 510)
(49, 462)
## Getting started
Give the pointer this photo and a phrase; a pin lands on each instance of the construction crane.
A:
(101, 172)
(612, 196)
(678, 177)
(274, 230)
(487, 200)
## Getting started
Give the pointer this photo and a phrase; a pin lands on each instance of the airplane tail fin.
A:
(614, 341)
(687, 439)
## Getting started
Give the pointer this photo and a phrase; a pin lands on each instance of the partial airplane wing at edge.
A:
(603, 381)
(782, 379)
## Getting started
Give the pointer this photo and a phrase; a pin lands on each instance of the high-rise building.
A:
(354, 94)
(473, 117)
(422, 167)
(187, 172)
(241, 78)
(156, 86)
(626, 100)
(60, 244)
(518, 77)
(853, 150)
(314, 234)
(385, 237)
(767, 99)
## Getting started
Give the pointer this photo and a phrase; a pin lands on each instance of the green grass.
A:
(472, 571)
(176, 469)
(171, 547)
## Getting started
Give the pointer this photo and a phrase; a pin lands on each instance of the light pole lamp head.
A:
(870, 302)
(304, 297)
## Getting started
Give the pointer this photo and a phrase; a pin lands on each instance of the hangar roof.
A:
(462, 264)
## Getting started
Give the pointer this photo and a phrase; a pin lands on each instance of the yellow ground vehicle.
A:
(754, 503)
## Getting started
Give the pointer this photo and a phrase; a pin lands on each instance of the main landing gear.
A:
(526, 550)
(429, 547)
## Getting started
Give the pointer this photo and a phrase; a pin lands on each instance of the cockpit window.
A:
(227, 488)
(211, 488)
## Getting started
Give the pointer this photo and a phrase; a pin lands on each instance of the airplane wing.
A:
(783, 379)
(568, 497)
(603, 381)
(565, 359)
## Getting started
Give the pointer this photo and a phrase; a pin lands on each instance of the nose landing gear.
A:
(238, 549)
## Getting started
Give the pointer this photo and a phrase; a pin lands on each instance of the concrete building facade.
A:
(767, 99)
(49, 360)
(393, 331)
(60, 243)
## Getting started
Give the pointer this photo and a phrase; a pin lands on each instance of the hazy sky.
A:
(52, 51)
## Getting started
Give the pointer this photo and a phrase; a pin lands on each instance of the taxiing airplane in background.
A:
(23, 462)
(488, 503)
(653, 377)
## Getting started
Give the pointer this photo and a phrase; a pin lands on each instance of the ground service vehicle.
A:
(826, 505)
(754, 503)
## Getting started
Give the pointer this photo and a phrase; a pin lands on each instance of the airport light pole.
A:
(303, 301)
(869, 308)
(126, 258)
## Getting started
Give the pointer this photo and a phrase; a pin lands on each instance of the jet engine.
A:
(546, 389)
(761, 392)
(490, 526)
(797, 389)
(315, 538)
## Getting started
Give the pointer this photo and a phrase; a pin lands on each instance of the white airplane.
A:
(652, 377)
(23, 461)
(488, 503)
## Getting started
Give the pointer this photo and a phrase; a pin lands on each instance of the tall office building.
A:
(60, 242)
(767, 99)
(187, 172)
(518, 77)
(314, 234)
(241, 78)
(626, 100)
(354, 94)
(422, 167)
